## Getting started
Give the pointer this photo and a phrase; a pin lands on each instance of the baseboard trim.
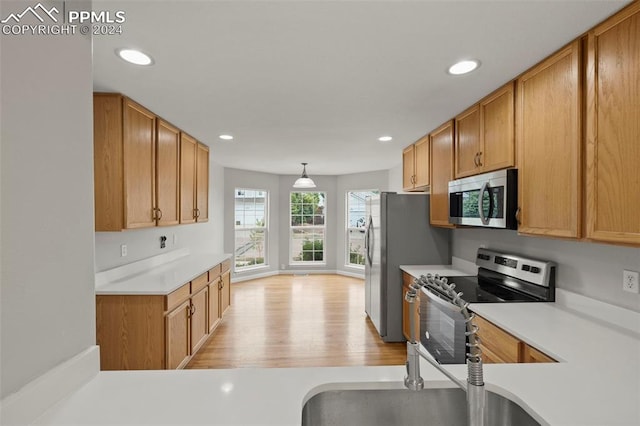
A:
(37, 396)
(352, 274)
(241, 278)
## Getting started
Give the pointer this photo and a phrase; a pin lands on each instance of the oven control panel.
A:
(536, 271)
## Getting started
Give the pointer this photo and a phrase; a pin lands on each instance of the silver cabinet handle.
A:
(518, 211)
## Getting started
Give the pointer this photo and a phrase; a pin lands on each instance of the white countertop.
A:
(154, 278)
(596, 382)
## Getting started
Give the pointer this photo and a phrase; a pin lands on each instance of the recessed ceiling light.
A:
(134, 56)
(385, 138)
(463, 67)
(226, 137)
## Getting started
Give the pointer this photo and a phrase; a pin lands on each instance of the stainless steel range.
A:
(502, 278)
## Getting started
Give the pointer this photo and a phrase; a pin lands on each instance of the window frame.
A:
(265, 229)
(347, 240)
(292, 228)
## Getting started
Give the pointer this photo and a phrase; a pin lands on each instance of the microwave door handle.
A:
(483, 218)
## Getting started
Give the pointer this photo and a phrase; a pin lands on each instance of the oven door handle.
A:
(483, 218)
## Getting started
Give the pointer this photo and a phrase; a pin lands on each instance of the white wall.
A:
(144, 243)
(280, 187)
(234, 178)
(594, 270)
(395, 179)
(47, 300)
(353, 182)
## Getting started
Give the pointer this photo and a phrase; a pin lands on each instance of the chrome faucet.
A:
(474, 385)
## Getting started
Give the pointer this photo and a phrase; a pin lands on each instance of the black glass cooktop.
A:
(489, 287)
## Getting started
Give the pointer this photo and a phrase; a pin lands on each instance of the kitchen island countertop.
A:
(595, 382)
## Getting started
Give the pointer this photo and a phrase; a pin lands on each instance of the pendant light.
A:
(304, 181)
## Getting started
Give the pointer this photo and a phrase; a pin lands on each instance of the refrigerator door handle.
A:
(367, 241)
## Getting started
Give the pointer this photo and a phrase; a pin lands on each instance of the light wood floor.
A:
(297, 321)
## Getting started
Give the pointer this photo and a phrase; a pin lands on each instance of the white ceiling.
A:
(320, 81)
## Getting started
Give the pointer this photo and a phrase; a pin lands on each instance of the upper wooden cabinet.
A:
(484, 137)
(441, 143)
(415, 166)
(124, 163)
(168, 174)
(548, 134)
(188, 152)
(613, 129)
(202, 183)
(194, 180)
(137, 167)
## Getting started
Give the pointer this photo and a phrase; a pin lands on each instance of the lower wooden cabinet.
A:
(155, 332)
(177, 332)
(406, 282)
(498, 346)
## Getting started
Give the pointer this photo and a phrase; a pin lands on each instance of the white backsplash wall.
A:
(144, 243)
(590, 269)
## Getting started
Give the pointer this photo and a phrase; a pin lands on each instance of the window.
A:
(307, 213)
(356, 225)
(250, 228)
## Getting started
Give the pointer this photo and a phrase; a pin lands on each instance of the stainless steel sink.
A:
(390, 407)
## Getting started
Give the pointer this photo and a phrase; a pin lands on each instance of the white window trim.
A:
(323, 262)
(265, 264)
(347, 252)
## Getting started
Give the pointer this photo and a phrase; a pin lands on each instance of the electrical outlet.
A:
(123, 250)
(282, 266)
(630, 281)
(175, 239)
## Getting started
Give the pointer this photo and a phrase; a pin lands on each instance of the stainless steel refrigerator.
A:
(397, 233)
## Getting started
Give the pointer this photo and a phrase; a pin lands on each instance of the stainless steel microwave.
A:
(489, 200)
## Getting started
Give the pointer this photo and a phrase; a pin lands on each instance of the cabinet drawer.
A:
(225, 266)
(501, 344)
(177, 296)
(199, 283)
(214, 273)
(531, 354)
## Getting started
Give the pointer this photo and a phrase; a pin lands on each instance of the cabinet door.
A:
(408, 162)
(202, 183)
(497, 130)
(225, 292)
(406, 312)
(213, 315)
(199, 325)
(188, 149)
(441, 174)
(549, 146)
(499, 345)
(177, 332)
(531, 354)
(467, 141)
(139, 141)
(613, 129)
(108, 162)
(421, 166)
(167, 174)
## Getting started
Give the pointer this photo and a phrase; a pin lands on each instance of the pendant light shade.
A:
(304, 181)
